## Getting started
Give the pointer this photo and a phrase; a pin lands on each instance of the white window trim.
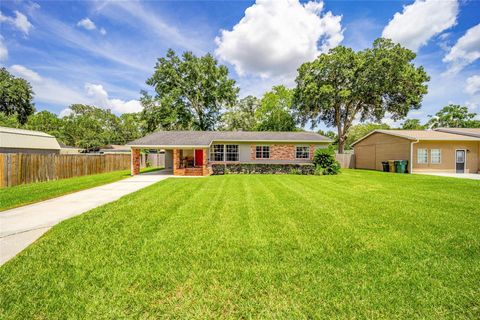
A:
(296, 151)
(418, 158)
(262, 145)
(440, 156)
(213, 153)
(224, 153)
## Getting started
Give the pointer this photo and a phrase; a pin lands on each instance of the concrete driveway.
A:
(474, 176)
(21, 226)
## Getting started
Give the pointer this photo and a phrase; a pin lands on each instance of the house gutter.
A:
(411, 154)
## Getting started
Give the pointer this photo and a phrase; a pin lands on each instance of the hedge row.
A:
(263, 168)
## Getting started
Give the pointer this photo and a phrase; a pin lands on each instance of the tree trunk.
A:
(341, 141)
(341, 146)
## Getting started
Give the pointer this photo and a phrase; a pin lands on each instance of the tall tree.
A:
(413, 124)
(47, 122)
(343, 85)
(16, 96)
(130, 127)
(242, 115)
(163, 113)
(90, 127)
(192, 88)
(275, 112)
(9, 121)
(454, 116)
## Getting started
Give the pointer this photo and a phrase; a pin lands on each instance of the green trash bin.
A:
(401, 166)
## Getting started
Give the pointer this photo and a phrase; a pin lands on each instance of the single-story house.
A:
(13, 140)
(438, 150)
(193, 152)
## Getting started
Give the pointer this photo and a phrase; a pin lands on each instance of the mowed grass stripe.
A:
(358, 245)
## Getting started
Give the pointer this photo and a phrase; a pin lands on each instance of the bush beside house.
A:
(263, 168)
(325, 162)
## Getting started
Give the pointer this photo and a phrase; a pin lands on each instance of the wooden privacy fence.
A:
(20, 168)
(346, 160)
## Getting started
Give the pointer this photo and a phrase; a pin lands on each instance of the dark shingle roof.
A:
(205, 138)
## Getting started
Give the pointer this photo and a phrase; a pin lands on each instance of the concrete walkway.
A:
(473, 176)
(21, 226)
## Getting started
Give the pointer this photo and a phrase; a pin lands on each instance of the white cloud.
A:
(25, 73)
(101, 99)
(87, 24)
(56, 31)
(3, 50)
(141, 16)
(48, 90)
(420, 21)
(65, 112)
(103, 31)
(20, 22)
(473, 85)
(275, 37)
(465, 51)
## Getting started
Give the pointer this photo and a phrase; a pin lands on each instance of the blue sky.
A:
(102, 52)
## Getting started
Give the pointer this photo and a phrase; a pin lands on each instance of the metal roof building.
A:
(14, 140)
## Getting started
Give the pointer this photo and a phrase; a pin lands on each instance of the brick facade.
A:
(177, 171)
(135, 166)
(280, 152)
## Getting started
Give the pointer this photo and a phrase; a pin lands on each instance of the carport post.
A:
(135, 161)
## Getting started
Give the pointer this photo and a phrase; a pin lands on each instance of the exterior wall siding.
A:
(279, 152)
(370, 152)
(168, 159)
(448, 156)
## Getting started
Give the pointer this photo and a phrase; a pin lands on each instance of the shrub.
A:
(263, 168)
(325, 162)
(295, 171)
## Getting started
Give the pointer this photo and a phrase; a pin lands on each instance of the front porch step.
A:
(193, 171)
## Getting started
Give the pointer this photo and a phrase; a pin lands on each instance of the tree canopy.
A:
(454, 116)
(242, 115)
(413, 124)
(16, 96)
(343, 85)
(275, 112)
(189, 90)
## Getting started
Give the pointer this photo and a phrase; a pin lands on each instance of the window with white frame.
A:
(302, 152)
(222, 152)
(422, 156)
(435, 156)
(216, 152)
(262, 152)
(231, 153)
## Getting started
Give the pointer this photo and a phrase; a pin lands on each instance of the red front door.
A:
(198, 158)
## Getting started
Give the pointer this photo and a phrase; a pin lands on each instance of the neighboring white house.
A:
(14, 140)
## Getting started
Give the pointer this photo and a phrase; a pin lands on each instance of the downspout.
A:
(411, 155)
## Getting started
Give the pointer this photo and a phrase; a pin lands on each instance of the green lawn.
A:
(358, 245)
(29, 193)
